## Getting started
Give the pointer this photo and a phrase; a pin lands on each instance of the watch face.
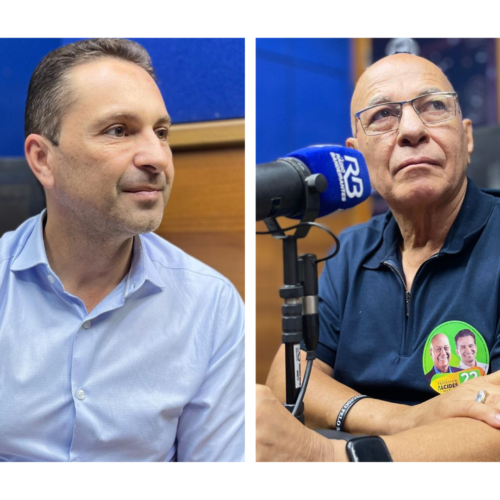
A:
(368, 449)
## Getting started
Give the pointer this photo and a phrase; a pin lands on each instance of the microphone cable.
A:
(314, 224)
(303, 389)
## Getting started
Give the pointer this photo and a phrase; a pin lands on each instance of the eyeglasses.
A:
(432, 108)
(440, 349)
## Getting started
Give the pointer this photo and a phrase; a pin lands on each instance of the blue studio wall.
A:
(304, 88)
(200, 80)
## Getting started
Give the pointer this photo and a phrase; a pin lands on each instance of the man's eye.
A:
(383, 114)
(162, 133)
(434, 107)
(116, 131)
(439, 105)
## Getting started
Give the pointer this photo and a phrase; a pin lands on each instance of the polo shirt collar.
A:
(385, 245)
(472, 217)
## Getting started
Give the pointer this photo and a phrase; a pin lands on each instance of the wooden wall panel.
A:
(206, 211)
(361, 50)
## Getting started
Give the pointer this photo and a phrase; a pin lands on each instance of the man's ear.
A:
(467, 124)
(352, 142)
(40, 157)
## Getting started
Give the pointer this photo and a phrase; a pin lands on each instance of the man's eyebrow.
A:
(164, 120)
(379, 100)
(131, 117)
(384, 99)
(429, 90)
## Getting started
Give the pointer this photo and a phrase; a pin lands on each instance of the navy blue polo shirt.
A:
(374, 333)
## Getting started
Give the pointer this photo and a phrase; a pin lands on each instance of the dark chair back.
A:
(484, 169)
(21, 195)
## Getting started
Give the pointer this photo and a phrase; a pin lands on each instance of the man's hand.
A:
(282, 438)
(461, 402)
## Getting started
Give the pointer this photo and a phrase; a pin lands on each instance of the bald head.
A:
(371, 87)
(417, 164)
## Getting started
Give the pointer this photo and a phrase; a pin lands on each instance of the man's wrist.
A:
(321, 449)
(407, 418)
(339, 450)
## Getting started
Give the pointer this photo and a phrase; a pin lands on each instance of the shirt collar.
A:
(438, 372)
(142, 268)
(472, 217)
(32, 252)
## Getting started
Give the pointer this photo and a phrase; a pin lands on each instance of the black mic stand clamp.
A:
(292, 292)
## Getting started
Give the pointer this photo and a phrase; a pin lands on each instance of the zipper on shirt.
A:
(407, 292)
(405, 339)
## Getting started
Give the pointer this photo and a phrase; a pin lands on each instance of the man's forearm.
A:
(325, 397)
(280, 437)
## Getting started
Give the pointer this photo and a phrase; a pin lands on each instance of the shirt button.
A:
(51, 278)
(80, 394)
(87, 324)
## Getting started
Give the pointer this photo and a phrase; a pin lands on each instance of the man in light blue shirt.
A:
(114, 344)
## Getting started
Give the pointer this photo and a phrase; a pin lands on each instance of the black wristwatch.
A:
(367, 449)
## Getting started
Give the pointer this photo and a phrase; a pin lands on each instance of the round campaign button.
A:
(454, 353)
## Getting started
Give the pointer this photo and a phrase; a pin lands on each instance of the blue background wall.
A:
(304, 89)
(200, 79)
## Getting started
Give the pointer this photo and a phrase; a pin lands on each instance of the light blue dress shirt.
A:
(155, 372)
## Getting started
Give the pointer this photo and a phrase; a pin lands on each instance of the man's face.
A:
(113, 168)
(417, 164)
(466, 349)
(441, 352)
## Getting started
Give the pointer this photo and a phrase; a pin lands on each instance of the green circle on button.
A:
(454, 352)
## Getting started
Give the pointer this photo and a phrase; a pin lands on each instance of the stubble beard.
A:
(105, 218)
(138, 221)
(113, 220)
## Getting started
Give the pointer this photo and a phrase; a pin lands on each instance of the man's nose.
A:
(152, 153)
(412, 130)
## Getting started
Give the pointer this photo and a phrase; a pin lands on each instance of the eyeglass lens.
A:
(386, 117)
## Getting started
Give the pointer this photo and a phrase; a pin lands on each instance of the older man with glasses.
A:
(430, 264)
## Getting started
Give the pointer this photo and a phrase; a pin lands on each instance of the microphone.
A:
(282, 184)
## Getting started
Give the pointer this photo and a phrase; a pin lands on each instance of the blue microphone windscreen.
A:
(345, 170)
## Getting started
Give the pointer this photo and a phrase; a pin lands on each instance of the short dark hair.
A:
(464, 333)
(49, 96)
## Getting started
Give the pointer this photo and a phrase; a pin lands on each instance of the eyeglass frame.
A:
(401, 103)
